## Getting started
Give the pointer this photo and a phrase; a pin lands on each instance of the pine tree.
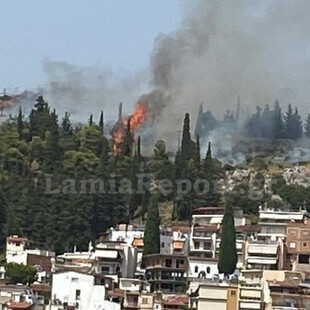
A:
(152, 232)
(66, 124)
(20, 125)
(228, 257)
(298, 125)
(307, 127)
(101, 124)
(293, 124)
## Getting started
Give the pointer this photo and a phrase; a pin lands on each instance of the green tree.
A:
(188, 149)
(19, 273)
(228, 257)
(20, 124)
(293, 128)
(307, 127)
(101, 123)
(152, 232)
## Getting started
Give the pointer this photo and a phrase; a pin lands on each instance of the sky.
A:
(116, 34)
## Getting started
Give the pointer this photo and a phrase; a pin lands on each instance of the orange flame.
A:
(120, 128)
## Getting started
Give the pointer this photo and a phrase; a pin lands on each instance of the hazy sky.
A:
(118, 34)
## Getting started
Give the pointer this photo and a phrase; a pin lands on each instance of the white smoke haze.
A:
(225, 48)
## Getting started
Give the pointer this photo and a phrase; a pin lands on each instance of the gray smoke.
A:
(82, 91)
(225, 48)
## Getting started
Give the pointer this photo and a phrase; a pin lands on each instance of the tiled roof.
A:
(20, 305)
(40, 260)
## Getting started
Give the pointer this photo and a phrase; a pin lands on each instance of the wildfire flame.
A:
(120, 129)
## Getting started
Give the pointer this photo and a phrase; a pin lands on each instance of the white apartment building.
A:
(78, 290)
(273, 222)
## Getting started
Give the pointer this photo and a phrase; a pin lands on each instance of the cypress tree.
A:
(188, 148)
(228, 257)
(208, 159)
(101, 124)
(152, 232)
(198, 160)
(277, 121)
(90, 123)
(20, 124)
(66, 124)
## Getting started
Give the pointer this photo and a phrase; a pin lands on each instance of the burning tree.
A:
(125, 128)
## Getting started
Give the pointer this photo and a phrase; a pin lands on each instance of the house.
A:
(79, 291)
(298, 246)
(263, 254)
(166, 273)
(202, 268)
(16, 249)
(273, 222)
(116, 259)
(17, 297)
(205, 237)
(217, 296)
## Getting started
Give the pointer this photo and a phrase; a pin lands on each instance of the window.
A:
(232, 293)
(105, 270)
(168, 263)
(208, 269)
(144, 300)
(206, 245)
(196, 245)
(77, 294)
(292, 245)
(163, 244)
(196, 269)
(304, 244)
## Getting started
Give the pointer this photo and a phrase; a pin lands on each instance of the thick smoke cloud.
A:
(256, 49)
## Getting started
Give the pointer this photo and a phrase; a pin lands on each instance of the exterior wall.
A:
(73, 287)
(298, 239)
(232, 298)
(217, 297)
(145, 302)
(208, 267)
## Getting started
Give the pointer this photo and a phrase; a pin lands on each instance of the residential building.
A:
(263, 254)
(298, 246)
(14, 296)
(115, 258)
(79, 291)
(167, 273)
(205, 231)
(273, 222)
(75, 261)
(201, 268)
(16, 249)
(217, 296)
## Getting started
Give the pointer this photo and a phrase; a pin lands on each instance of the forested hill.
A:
(61, 186)
(44, 160)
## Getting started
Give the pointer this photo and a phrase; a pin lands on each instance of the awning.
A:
(262, 261)
(106, 254)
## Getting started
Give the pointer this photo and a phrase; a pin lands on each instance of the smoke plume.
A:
(256, 49)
